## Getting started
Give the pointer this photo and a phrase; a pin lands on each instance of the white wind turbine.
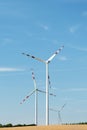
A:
(36, 98)
(58, 112)
(36, 90)
(47, 78)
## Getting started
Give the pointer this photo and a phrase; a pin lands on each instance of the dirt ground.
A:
(56, 127)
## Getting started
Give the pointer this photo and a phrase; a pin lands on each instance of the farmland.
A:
(54, 127)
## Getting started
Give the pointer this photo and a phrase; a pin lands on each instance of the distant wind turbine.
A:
(58, 112)
(47, 78)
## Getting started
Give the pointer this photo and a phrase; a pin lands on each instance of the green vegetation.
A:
(80, 123)
(21, 125)
(18, 125)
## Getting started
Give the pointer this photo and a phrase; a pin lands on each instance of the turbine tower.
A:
(47, 78)
(58, 112)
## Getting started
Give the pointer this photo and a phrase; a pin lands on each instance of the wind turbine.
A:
(36, 90)
(36, 98)
(47, 78)
(58, 112)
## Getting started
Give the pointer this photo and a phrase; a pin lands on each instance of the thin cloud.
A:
(5, 69)
(73, 29)
(81, 111)
(45, 27)
(56, 42)
(62, 58)
(71, 70)
(71, 89)
(29, 34)
(81, 49)
(78, 48)
(6, 41)
(75, 89)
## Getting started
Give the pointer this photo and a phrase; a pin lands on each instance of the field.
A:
(56, 127)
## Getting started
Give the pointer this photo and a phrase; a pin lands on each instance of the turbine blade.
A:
(41, 91)
(45, 92)
(52, 94)
(27, 97)
(28, 55)
(62, 107)
(33, 77)
(59, 116)
(53, 110)
(57, 52)
(49, 81)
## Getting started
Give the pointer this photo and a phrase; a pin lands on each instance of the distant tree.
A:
(18, 125)
(0, 125)
(8, 125)
(31, 125)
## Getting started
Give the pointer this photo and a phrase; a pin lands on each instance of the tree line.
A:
(18, 125)
(21, 125)
(80, 123)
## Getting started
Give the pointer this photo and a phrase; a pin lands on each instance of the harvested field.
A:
(56, 127)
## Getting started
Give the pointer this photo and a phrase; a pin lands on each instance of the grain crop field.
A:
(56, 127)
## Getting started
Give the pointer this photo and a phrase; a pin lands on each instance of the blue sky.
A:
(40, 28)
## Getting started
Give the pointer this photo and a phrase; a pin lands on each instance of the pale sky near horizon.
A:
(40, 28)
